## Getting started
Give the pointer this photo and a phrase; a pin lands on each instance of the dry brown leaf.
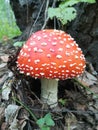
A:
(4, 58)
(6, 89)
(2, 65)
(94, 89)
(10, 112)
(2, 79)
(4, 126)
(87, 79)
(2, 109)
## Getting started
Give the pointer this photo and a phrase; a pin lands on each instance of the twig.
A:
(66, 110)
(27, 108)
(88, 89)
(36, 97)
(46, 10)
(37, 17)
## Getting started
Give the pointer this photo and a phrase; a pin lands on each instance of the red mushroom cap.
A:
(51, 54)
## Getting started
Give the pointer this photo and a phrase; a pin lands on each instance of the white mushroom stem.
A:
(49, 92)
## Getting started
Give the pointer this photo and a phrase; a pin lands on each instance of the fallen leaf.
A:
(4, 126)
(4, 58)
(2, 109)
(10, 112)
(3, 65)
(6, 89)
(88, 79)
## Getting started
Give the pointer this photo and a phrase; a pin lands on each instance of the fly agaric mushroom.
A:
(51, 55)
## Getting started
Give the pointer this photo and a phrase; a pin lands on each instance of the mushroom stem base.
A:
(49, 91)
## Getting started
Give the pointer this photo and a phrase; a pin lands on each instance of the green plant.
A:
(26, 107)
(62, 101)
(66, 12)
(8, 27)
(46, 122)
(19, 44)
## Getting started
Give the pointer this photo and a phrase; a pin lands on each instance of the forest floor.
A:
(22, 109)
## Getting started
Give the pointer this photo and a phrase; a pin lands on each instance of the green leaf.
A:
(47, 116)
(41, 122)
(62, 101)
(8, 27)
(68, 3)
(88, 1)
(18, 44)
(45, 128)
(48, 120)
(65, 12)
(62, 14)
